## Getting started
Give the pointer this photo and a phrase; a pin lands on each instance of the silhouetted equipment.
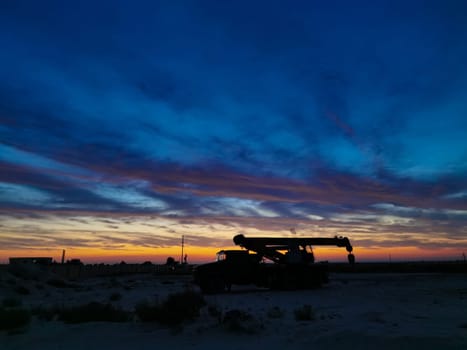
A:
(78, 262)
(31, 260)
(293, 264)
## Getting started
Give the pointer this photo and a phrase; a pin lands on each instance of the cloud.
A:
(430, 213)
(457, 195)
(130, 197)
(22, 194)
(207, 114)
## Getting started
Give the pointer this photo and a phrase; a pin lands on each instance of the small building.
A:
(31, 260)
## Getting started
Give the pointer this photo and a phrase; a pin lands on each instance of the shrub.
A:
(12, 319)
(46, 314)
(147, 311)
(275, 312)
(304, 313)
(22, 290)
(11, 302)
(114, 282)
(57, 283)
(115, 296)
(215, 312)
(178, 307)
(240, 321)
(92, 312)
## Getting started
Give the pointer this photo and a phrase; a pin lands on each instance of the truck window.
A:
(221, 256)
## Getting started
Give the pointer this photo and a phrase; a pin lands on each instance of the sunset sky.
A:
(127, 124)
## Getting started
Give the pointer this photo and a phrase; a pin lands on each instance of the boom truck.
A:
(291, 264)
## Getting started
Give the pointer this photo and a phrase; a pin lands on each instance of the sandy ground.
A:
(358, 311)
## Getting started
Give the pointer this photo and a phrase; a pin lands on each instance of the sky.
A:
(127, 125)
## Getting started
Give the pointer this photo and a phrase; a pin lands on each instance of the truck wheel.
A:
(273, 280)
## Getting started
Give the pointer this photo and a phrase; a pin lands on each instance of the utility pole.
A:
(183, 243)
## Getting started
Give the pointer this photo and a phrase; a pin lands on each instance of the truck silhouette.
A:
(291, 264)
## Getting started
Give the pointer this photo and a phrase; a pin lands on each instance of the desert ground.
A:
(354, 310)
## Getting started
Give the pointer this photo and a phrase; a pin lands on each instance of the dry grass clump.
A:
(304, 313)
(215, 312)
(175, 310)
(275, 312)
(13, 318)
(240, 321)
(45, 313)
(59, 283)
(93, 312)
(22, 290)
(115, 296)
(10, 302)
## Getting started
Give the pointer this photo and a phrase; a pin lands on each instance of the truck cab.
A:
(237, 257)
(230, 267)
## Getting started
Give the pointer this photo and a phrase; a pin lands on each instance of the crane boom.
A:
(270, 247)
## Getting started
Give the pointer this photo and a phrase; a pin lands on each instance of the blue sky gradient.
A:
(332, 117)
